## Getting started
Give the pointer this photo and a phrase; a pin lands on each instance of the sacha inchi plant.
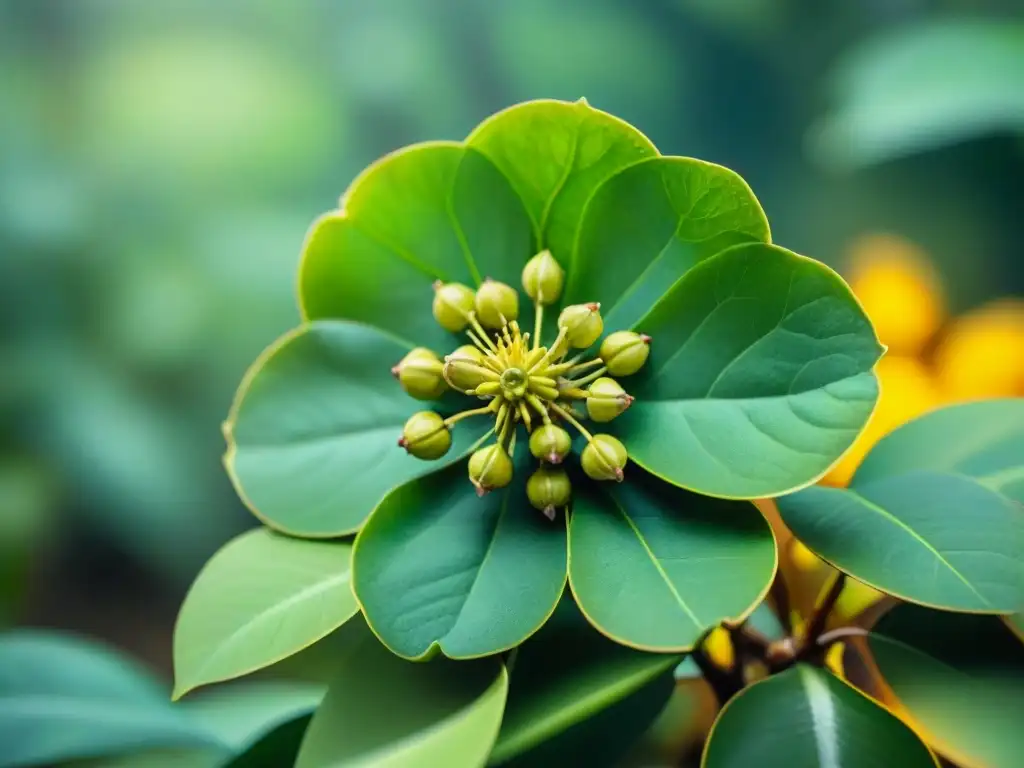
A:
(452, 436)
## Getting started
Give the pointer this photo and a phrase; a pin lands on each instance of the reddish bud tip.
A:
(549, 512)
(553, 458)
(645, 338)
(437, 285)
(396, 370)
(619, 475)
(593, 306)
(402, 442)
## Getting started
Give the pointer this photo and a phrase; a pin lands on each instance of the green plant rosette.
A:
(759, 377)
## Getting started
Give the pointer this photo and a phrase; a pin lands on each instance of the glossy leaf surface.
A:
(807, 717)
(313, 431)
(383, 711)
(938, 497)
(437, 567)
(760, 375)
(556, 153)
(652, 222)
(434, 211)
(260, 599)
(960, 678)
(653, 566)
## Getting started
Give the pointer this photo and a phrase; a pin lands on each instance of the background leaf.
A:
(313, 431)
(805, 716)
(437, 567)
(959, 677)
(383, 711)
(556, 153)
(653, 566)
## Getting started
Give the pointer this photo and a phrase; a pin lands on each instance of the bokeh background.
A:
(161, 160)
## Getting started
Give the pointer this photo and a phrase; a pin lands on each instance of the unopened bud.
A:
(452, 304)
(490, 467)
(548, 489)
(464, 373)
(496, 304)
(543, 278)
(426, 436)
(582, 324)
(550, 443)
(625, 352)
(606, 399)
(603, 458)
(420, 374)
(469, 351)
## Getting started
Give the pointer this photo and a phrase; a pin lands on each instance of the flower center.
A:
(513, 384)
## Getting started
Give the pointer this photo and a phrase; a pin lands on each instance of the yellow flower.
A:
(982, 354)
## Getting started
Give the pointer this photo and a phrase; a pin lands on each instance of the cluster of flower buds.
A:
(523, 382)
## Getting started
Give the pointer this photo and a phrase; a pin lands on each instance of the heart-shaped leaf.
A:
(649, 224)
(64, 698)
(383, 711)
(576, 697)
(435, 211)
(313, 430)
(653, 566)
(260, 599)
(938, 497)
(960, 678)
(556, 153)
(760, 375)
(437, 567)
(807, 717)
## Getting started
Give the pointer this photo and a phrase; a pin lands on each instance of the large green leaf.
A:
(960, 677)
(279, 746)
(760, 375)
(653, 566)
(260, 599)
(312, 435)
(933, 515)
(437, 567)
(649, 224)
(389, 713)
(436, 211)
(556, 153)
(807, 717)
(62, 698)
(576, 697)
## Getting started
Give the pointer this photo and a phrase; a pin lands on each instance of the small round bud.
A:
(496, 304)
(464, 373)
(490, 468)
(582, 324)
(543, 278)
(452, 304)
(550, 443)
(606, 399)
(420, 374)
(603, 458)
(548, 489)
(625, 352)
(426, 436)
(469, 351)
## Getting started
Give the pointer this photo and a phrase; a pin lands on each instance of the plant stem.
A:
(572, 420)
(589, 377)
(822, 610)
(723, 683)
(452, 420)
(840, 633)
(538, 322)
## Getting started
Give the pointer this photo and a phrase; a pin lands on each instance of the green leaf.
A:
(932, 515)
(760, 375)
(556, 153)
(653, 566)
(649, 224)
(435, 211)
(260, 599)
(961, 678)
(312, 435)
(386, 712)
(438, 568)
(1016, 624)
(280, 746)
(807, 717)
(63, 698)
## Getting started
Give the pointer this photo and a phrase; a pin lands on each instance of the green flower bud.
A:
(452, 304)
(550, 443)
(469, 351)
(548, 489)
(426, 436)
(606, 399)
(464, 373)
(625, 352)
(543, 278)
(496, 304)
(490, 468)
(603, 458)
(421, 374)
(582, 324)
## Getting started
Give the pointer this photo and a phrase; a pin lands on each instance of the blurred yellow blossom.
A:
(982, 353)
